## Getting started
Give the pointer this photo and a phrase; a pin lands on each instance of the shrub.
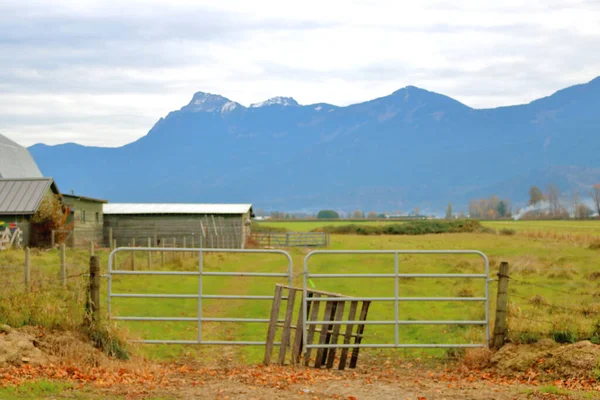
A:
(595, 245)
(507, 232)
(408, 228)
(328, 214)
(564, 336)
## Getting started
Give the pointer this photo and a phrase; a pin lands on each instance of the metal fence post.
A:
(500, 326)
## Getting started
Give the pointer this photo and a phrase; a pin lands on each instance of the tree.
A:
(535, 195)
(583, 212)
(554, 199)
(596, 197)
(449, 211)
(357, 214)
(575, 201)
(502, 209)
(328, 214)
(372, 215)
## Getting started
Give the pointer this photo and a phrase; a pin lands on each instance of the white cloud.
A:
(102, 72)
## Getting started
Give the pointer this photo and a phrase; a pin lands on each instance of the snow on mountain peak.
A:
(207, 102)
(282, 101)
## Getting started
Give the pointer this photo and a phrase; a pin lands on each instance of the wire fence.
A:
(538, 309)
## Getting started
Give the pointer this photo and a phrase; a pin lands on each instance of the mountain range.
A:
(412, 148)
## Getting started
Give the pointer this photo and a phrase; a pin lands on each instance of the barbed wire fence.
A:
(540, 313)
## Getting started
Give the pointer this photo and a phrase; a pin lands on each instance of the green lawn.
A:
(565, 273)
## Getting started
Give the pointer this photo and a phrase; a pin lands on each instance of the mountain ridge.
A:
(422, 148)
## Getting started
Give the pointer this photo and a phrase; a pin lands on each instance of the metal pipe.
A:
(390, 322)
(399, 299)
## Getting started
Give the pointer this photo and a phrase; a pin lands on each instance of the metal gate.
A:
(199, 319)
(396, 322)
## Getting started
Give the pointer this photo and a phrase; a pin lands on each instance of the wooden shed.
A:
(86, 219)
(206, 225)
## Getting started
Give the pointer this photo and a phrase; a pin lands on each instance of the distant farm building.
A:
(85, 220)
(206, 225)
(20, 200)
(15, 161)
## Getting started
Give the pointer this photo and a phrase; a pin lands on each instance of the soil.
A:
(578, 360)
(36, 346)
(514, 372)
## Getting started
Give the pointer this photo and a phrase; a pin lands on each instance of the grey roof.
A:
(23, 196)
(15, 161)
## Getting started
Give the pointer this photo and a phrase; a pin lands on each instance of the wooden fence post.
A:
(63, 264)
(93, 304)
(500, 325)
(110, 238)
(91, 248)
(27, 270)
(149, 254)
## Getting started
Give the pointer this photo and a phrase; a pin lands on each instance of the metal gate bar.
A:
(396, 299)
(200, 296)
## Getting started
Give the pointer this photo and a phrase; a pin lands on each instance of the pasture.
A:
(554, 289)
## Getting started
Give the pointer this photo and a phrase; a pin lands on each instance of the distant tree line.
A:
(492, 208)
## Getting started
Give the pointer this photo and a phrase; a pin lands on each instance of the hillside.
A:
(411, 148)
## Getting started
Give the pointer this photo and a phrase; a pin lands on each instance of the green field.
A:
(554, 286)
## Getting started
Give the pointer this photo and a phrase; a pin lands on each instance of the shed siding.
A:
(90, 228)
(210, 231)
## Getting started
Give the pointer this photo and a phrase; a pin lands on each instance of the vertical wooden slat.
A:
(297, 347)
(328, 316)
(359, 333)
(273, 324)
(339, 316)
(287, 323)
(314, 316)
(348, 334)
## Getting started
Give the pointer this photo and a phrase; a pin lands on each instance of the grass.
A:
(546, 271)
(36, 390)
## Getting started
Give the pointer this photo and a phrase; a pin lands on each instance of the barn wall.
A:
(23, 223)
(210, 231)
(89, 228)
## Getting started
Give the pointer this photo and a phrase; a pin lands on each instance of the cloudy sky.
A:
(102, 72)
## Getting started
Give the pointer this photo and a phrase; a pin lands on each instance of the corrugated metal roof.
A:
(172, 208)
(15, 161)
(23, 196)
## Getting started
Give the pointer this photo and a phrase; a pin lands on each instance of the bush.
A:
(507, 232)
(408, 228)
(564, 336)
(328, 214)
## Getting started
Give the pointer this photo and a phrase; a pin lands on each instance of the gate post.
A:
(500, 326)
